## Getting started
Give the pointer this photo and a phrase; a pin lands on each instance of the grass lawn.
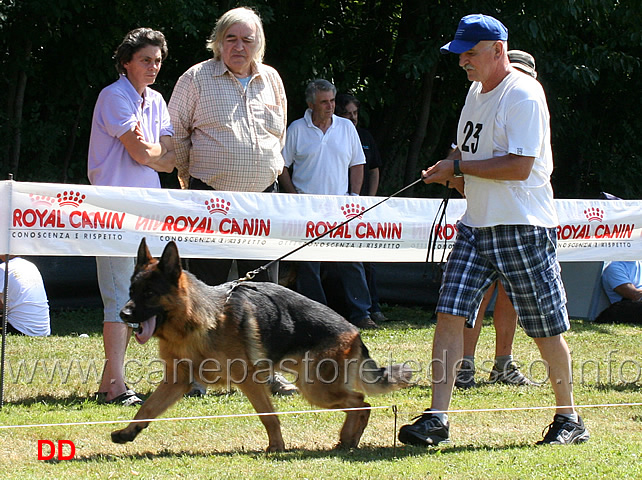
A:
(50, 381)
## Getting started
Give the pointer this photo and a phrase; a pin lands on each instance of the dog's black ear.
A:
(143, 254)
(170, 262)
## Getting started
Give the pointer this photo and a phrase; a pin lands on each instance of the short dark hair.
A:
(134, 41)
(343, 100)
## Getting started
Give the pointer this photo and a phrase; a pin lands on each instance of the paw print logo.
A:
(41, 200)
(594, 214)
(217, 205)
(351, 210)
(70, 198)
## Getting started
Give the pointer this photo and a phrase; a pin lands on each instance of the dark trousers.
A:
(215, 271)
(352, 278)
(371, 278)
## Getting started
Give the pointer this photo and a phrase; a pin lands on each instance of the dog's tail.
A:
(376, 380)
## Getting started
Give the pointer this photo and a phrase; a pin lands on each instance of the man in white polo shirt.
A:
(325, 156)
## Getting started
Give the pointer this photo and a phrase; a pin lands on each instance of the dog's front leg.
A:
(258, 396)
(166, 395)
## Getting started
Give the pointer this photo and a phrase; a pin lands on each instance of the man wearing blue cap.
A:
(503, 163)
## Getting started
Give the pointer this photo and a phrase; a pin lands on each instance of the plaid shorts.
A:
(524, 258)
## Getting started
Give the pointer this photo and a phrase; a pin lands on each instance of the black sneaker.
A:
(563, 431)
(510, 375)
(426, 431)
(465, 376)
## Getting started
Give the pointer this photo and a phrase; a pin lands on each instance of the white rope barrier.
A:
(549, 407)
(303, 412)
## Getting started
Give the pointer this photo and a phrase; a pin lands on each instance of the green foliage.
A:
(588, 55)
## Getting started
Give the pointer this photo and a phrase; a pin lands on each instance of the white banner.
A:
(61, 219)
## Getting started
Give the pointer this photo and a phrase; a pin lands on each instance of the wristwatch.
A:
(456, 169)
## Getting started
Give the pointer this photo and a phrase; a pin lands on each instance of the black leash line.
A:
(253, 273)
(433, 237)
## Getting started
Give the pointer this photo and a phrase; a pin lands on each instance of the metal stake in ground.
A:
(4, 313)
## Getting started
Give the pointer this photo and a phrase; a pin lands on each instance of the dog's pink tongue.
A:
(146, 330)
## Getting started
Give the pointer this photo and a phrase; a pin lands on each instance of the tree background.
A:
(57, 56)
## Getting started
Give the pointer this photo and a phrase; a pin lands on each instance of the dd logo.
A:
(52, 450)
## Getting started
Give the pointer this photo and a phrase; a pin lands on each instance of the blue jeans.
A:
(353, 278)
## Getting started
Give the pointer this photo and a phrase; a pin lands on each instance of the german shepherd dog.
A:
(247, 328)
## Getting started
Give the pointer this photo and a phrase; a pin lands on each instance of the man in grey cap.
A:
(522, 61)
(503, 163)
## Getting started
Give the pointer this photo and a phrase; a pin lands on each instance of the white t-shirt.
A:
(27, 304)
(322, 161)
(511, 118)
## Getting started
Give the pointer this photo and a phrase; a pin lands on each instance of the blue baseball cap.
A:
(473, 29)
